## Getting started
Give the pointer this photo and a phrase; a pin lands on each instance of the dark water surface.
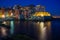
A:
(49, 30)
(55, 30)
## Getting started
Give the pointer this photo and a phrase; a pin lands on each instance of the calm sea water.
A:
(55, 29)
(49, 30)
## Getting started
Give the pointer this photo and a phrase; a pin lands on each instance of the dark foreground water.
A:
(35, 30)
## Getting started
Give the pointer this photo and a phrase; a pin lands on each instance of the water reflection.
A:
(36, 30)
(3, 32)
(11, 24)
(44, 30)
(12, 27)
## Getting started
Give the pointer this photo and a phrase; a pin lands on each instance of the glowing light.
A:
(4, 22)
(42, 14)
(42, 24)
(11, 14)
(3, 16)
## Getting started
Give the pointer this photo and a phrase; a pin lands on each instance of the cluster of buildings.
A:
(31, 12)
(20, 12)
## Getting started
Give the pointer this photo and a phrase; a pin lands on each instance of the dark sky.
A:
(52, 6)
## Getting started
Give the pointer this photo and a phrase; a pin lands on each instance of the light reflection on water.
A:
(12, 27)
(44, 30)
(40, 30)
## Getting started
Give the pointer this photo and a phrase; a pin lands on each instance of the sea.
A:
(34, 30)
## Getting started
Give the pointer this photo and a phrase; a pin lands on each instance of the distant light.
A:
(11, 14)
(3, 16)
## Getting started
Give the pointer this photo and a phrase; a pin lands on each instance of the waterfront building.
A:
(17, 11)
(31, 9)
(25, 12)
(2, 13)
(9, 12)
(41, 16)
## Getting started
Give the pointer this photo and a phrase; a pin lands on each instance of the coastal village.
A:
(29, 12)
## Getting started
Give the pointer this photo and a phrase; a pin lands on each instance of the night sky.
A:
(52, 6)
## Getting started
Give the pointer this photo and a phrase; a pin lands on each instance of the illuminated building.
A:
(2, 13)
(25, 13)
(8, 14)
(41, 16)
(16, 13)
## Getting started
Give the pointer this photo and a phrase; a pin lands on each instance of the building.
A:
(41, 16)
(39, 8)
(2, 12)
